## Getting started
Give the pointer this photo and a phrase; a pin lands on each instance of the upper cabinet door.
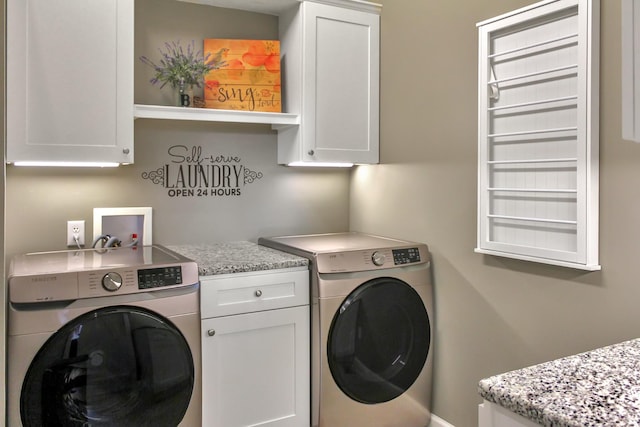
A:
(341, 68)
(70, 81)
(631, 70)
(337, 93)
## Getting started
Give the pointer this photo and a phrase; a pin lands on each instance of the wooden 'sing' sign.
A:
(248, 78)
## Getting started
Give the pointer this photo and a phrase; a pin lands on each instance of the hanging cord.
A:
(107, 241)
(76, 239)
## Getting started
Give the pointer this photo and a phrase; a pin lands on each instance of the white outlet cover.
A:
(100, 213)
(81, 233)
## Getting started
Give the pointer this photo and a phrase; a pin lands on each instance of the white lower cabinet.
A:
(492, 415)
(255, 364)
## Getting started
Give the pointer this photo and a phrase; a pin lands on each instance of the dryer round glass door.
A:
(116, 366)
(379, 341)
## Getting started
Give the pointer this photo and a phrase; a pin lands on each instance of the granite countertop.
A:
(596, 388)
(237, 257)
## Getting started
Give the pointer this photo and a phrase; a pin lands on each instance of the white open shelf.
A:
(211, 115)
(271, 7)
(278, 7)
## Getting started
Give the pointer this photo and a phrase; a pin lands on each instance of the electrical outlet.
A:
(75, 229)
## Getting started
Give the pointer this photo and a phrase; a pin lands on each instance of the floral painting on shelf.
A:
(247, 76)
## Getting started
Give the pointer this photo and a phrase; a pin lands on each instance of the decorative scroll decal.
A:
(192, 173)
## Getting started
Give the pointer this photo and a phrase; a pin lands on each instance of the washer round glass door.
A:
(379, 341)
(116, 366)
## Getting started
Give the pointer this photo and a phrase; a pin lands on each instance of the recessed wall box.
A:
(126, 224)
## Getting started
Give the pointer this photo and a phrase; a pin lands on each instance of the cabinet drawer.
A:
(256, 291)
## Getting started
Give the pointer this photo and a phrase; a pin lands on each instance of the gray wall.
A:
(492, 314)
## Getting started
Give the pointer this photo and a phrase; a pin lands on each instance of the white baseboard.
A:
(436, 421)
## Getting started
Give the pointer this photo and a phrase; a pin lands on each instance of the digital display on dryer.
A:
(406, 256)
(159, 277)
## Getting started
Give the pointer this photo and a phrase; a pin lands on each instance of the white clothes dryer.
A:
(371, 329)
(104, 337)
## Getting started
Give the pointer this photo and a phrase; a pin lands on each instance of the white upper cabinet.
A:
(631, 70)
(70, 81)
(331, 55)
(538, 134)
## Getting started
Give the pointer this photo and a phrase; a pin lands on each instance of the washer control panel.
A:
(159, 277)
(147, 278)
(91, 273)
(129, 280)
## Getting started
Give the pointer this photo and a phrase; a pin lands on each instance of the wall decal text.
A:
(190, 172)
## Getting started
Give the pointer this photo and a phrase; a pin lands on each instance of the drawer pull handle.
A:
(258, 293)
(211, 332)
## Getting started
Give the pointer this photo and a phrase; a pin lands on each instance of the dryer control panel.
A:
(370, 259)
(405, 256)
(351, 251)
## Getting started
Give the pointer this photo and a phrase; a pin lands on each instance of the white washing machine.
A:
(104, 337)
(371, 329)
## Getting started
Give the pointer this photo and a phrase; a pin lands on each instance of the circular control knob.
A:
(378, 258)
(112, 282)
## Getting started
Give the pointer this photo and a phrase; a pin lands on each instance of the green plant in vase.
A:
(182, 68)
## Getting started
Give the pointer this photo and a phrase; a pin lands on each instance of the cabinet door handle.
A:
(258, 293)
(311, 152)
(211, 332)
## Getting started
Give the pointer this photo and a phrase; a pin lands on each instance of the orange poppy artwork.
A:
(249, 77)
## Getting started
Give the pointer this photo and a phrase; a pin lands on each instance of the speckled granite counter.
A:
(237, 257)
(596, 388)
